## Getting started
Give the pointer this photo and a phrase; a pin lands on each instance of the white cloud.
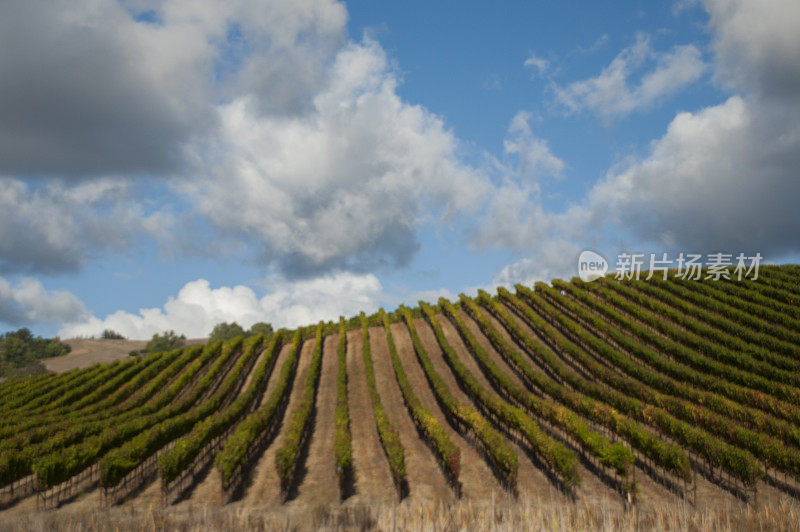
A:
(720, 178)
(514, 216)
(288, 46)
(551, 259)
(198, 307)
(292, 141)
(541, 64)
(86, 90)
(756, 46)
(28, 302)
(534, 156)
(55, 227)
(343, 185)
(724, 177)
(612, 93)
(286, 138)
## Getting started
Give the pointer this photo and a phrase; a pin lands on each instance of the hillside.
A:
(611, 404)
(87, 351)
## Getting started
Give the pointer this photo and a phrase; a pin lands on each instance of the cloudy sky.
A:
(171, 164)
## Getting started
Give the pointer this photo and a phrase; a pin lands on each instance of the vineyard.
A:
(635, 393)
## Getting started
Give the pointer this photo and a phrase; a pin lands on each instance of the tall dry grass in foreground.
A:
(525, 515)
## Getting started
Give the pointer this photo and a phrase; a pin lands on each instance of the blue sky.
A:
(291, 161)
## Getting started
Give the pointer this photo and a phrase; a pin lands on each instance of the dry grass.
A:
(88, 351)
(524, 515)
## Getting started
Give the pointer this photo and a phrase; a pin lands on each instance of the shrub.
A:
(165, 342)
(109, 334)
(226, 331)
(261, 328)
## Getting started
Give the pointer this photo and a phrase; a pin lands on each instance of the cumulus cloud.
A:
(534, 156)
(616, 93)
(93, 88)
(27, 302)
(290, 139)
(343, 185)
(551, 259)
(290, 45)
(56, 227)
(725, 177)
(756, 46)
(87, 90)
(287, 138)
(514, 216)
(198, 307)
(721, 178)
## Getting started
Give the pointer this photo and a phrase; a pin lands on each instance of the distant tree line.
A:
(171, 340)
(227, 331)
(21, 352)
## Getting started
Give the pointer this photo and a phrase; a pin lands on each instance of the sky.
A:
(172, 164)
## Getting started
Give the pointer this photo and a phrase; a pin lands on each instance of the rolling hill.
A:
(659, 403)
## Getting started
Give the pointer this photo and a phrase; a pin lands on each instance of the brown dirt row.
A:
(477, 480)
(259, 359)
(92, 499)
(198, 376)
(209, 487)
(208, 491)
(529, 477)
(425, 478)
(222, 375)
(592, 488)
(708, 493)
(320, 484)
(373, 480)
(151, 491)
(273, 378)
(265, 486)
(591, 485)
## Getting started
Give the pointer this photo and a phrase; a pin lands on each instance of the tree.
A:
(20, 352)
(226, 331)
(165, 342)
(13, 348)
(109, 334)
(260, 328)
